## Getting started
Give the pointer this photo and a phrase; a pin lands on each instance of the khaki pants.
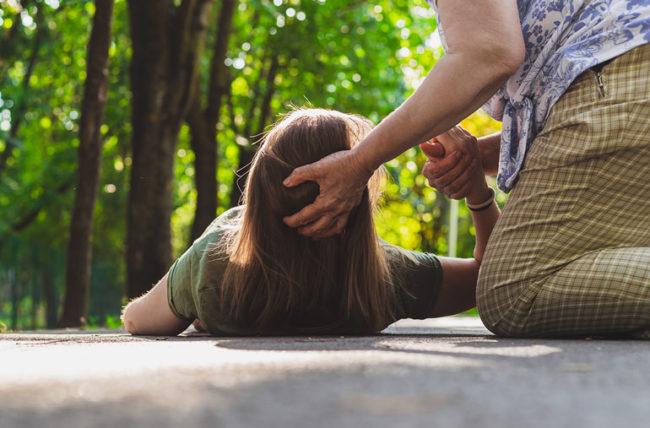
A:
(570, 254)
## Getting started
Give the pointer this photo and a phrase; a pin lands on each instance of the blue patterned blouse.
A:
(563, 39)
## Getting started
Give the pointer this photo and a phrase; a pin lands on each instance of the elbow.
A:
(512, 58)
(128, 321)
(130, 327)
(508, 58)
(502, 61)
(478, 257)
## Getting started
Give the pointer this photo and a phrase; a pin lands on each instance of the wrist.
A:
(489, 148)
(479, 194)
(482, 206)
(362, 161)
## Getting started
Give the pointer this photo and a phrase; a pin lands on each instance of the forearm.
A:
(458, 289)
(150, 314)
(484, 222)
(489, 147)
(455, 88)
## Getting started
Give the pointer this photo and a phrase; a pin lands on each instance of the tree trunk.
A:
(204, 146)
(49, 293)
(166, 42)
(15, 298)
(203, 125)
(75, 304)
(36, 298)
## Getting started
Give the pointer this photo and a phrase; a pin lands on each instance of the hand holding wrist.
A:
(458, 174)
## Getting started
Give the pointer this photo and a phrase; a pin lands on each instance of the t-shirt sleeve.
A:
(180, 279)
(187, 276)
(199, 268)
(417, 277)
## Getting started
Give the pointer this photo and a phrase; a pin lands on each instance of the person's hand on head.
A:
(454, 165)
(342, 179)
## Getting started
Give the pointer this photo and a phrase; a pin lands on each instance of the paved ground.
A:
(449, 373)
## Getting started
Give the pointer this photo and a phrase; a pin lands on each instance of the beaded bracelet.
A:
(483, 205)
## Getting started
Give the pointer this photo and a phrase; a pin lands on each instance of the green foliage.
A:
(355, 56)
(108, 321)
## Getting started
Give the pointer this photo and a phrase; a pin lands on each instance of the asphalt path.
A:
(449, 372)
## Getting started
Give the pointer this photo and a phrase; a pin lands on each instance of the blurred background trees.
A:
(192, 84)
(79, 254)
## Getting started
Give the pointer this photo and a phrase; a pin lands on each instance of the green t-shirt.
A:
(194, 279)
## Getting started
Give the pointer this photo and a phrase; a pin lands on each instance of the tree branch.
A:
(18, 112)
(257, 87)
(218, 83)
(190, 25)
(265, 111)
(40, 204)
(231, 113)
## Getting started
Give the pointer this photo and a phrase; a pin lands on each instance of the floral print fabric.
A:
(563, 38)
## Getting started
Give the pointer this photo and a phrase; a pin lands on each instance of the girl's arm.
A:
(489, 147)
(458, 291)
(460, 175)
(150, 314)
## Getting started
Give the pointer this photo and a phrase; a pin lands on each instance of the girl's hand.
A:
(198, 325)
(454, 166)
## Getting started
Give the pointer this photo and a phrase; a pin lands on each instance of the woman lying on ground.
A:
(250, 274)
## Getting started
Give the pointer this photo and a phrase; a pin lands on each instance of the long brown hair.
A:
(279, 281)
